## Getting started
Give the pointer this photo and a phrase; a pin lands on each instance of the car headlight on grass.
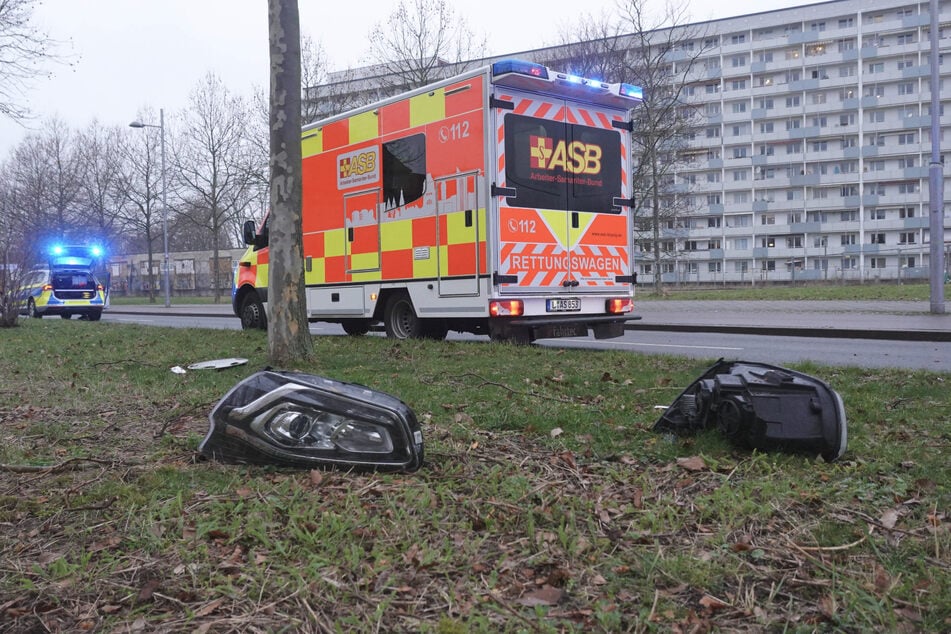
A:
(301, 420)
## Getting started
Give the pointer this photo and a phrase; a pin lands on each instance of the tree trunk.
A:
(288, 335)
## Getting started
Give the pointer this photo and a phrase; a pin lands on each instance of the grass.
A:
(870, 291)
(546, 503)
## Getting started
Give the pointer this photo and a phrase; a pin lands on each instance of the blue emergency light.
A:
(519, 67)
(629, 90)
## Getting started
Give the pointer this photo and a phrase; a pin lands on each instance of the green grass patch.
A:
(869, 291)
(546, 503)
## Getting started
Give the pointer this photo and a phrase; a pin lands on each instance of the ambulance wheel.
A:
(31, 309)
(252, 313)
(356, 327)
(95, 315)
(400, 320)
(65, 315)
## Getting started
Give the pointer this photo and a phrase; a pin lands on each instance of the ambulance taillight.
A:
(506, 308)
(619, 305)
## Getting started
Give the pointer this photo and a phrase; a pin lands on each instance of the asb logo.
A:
(574, 158)
(358, 168)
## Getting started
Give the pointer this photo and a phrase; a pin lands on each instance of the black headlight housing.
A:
(292, 419)
(762, 407)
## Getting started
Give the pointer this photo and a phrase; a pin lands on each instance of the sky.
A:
(128, 55)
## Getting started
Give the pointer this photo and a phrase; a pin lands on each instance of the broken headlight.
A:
(762, 407)
(301, 420)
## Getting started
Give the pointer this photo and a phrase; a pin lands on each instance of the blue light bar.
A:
(56, 249)
(95, 251)
(629, 90)
(519, 67)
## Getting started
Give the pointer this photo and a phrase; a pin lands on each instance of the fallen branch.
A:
(73, 464)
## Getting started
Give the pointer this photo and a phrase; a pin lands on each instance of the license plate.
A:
(563, 304)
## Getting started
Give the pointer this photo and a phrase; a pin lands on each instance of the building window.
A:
(849, 215)
(906, 38)
(740, 175)
(908, 187)
(713, 199)
(908, 138)
(793, 101)
(909, 262)
(876, 116)
(875, 90)
(847, 239)
(738, 107)
(713, 177)
(765, 56)
(766, 127)
(713, 223)
(877, 263)
(876, 214)
(793, 124)
(907, 237)
(849, 190)
(713, 132)
(877, 238)
(768, 219)
(741, 267)
(738, 60)
(741, 197)
(820, 146)
(846, 23)
(714, 267)
(738, 38)
(906, 88)
(739, 152)
(738, 84)
(850, 263)
(876, 67)
(906, 212)
(793, 242)
(847, 70)
(846, 44)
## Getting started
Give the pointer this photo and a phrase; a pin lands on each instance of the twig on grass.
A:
(73, 464)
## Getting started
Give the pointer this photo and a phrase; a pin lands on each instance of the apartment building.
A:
(812, 158)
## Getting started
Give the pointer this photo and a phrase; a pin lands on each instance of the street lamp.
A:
(161, 127)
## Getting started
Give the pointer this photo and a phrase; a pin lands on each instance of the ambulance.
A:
(496, 202)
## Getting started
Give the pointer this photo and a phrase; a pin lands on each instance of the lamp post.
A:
(161, 127)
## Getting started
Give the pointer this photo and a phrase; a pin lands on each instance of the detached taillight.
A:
(619, 305)
(506, 308)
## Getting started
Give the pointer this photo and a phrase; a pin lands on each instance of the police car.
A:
(66, 287)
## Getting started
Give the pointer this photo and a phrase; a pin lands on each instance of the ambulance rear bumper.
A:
(549, 327)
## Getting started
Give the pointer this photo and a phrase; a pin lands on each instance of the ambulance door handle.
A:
(574, 220)
(349, 234)
(468, 217)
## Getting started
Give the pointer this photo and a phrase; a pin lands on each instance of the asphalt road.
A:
(863, 334)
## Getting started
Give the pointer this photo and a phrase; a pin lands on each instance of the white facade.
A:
(812, 159)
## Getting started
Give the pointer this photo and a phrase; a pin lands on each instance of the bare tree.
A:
(17, 251)
(101, 183)
(45, 173)
(141, 187)
(418, 41)
(664, 52)
(214, 162)
(288, 335)
(24, 49)
(659, 55)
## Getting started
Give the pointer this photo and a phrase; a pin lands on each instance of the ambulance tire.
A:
(252, 313)
(400, 320)
(95, 315)
(65, 315)
(356, 327)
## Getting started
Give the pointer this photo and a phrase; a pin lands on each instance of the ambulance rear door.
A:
(563, 178)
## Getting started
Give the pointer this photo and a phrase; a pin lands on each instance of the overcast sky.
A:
(134, 54)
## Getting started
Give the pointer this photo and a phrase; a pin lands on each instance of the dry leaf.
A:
(693, 463)
(556, 432)
(712, 603)
(208, 608)
(546, 595)
(889, 518)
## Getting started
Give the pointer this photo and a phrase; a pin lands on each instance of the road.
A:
(901, 337)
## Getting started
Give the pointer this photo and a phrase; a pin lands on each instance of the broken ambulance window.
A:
(404, 170)
(554, 165)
